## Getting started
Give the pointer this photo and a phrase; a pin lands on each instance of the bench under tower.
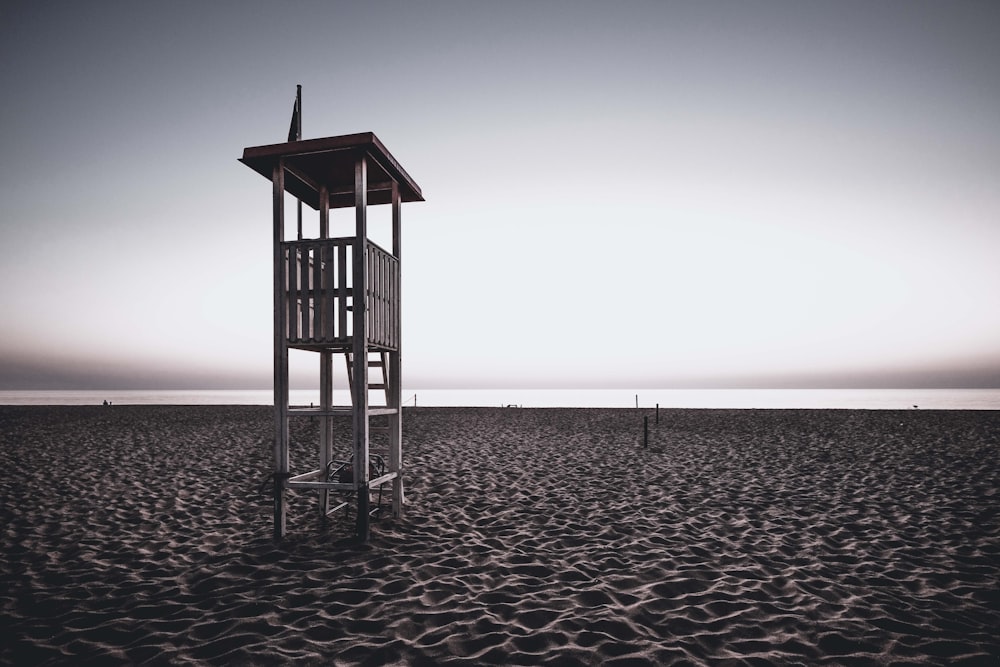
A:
(337, 296)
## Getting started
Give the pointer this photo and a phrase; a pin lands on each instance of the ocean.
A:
(864, 399)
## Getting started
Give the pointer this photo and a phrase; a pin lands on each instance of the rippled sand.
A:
(137, 534)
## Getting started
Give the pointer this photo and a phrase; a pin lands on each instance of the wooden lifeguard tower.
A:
(337, 296)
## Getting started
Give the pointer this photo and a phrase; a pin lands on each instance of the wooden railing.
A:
(383, 298)
(319, 295)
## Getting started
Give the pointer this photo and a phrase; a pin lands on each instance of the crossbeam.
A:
(303, 482)
(338, 411)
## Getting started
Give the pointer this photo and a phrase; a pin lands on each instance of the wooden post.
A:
(360, 345)
(281, 465)
(395, 376)
(322, 306)
(657, 413)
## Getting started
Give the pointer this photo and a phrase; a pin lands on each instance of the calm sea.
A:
(870, 399)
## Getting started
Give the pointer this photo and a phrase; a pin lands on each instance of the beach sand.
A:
(137, 534)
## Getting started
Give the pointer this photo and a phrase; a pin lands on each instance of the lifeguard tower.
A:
(337, 296)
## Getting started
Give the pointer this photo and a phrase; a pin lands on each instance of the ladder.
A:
(382, 363)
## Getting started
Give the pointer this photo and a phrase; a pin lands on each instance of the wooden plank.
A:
(324, 318)
(383, 363)
(394, 395)
(280, 352)
(384, 301)
(336, 508)
(326, 424)
(342, 293)
(394, 303)
(349, 358)
(338, 411)
(306, 476)
(368, 296)
(390, 296)
(377, 297)
(308, 243)
(387, 263)
(317, 292)
(305, 261)
(329, 486)
(348, 191)
(308, 181)
(372, 296)
(373, 305)
(379, 481)
(329, 301)
(360, 334)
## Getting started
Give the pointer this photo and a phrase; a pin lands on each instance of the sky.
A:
(618, 194)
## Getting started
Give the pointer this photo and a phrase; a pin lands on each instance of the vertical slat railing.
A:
(317, 283)
(386, 293)
(383, 280)
(304, 310)
(343, 291)
(374, 288)
(318, 301)
(328, 286)
(394, 302)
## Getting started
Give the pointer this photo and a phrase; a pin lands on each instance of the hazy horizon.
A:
(630, 195)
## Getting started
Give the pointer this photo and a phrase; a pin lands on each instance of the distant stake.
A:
(637, 400)
(657, 413)
(645, 431)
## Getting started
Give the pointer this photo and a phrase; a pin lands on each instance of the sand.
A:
(738, 537)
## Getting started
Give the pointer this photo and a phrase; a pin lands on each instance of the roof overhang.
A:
(313, 163)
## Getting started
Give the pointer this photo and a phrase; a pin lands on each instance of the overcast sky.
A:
(619, 194)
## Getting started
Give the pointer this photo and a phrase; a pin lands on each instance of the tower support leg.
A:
(281, 465)
(325, 426)
(395, 375)
(279, 505)
(396, 434)
(363, 523)
(360, 303)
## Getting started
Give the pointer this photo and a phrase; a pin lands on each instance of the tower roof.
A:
(329, 161)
